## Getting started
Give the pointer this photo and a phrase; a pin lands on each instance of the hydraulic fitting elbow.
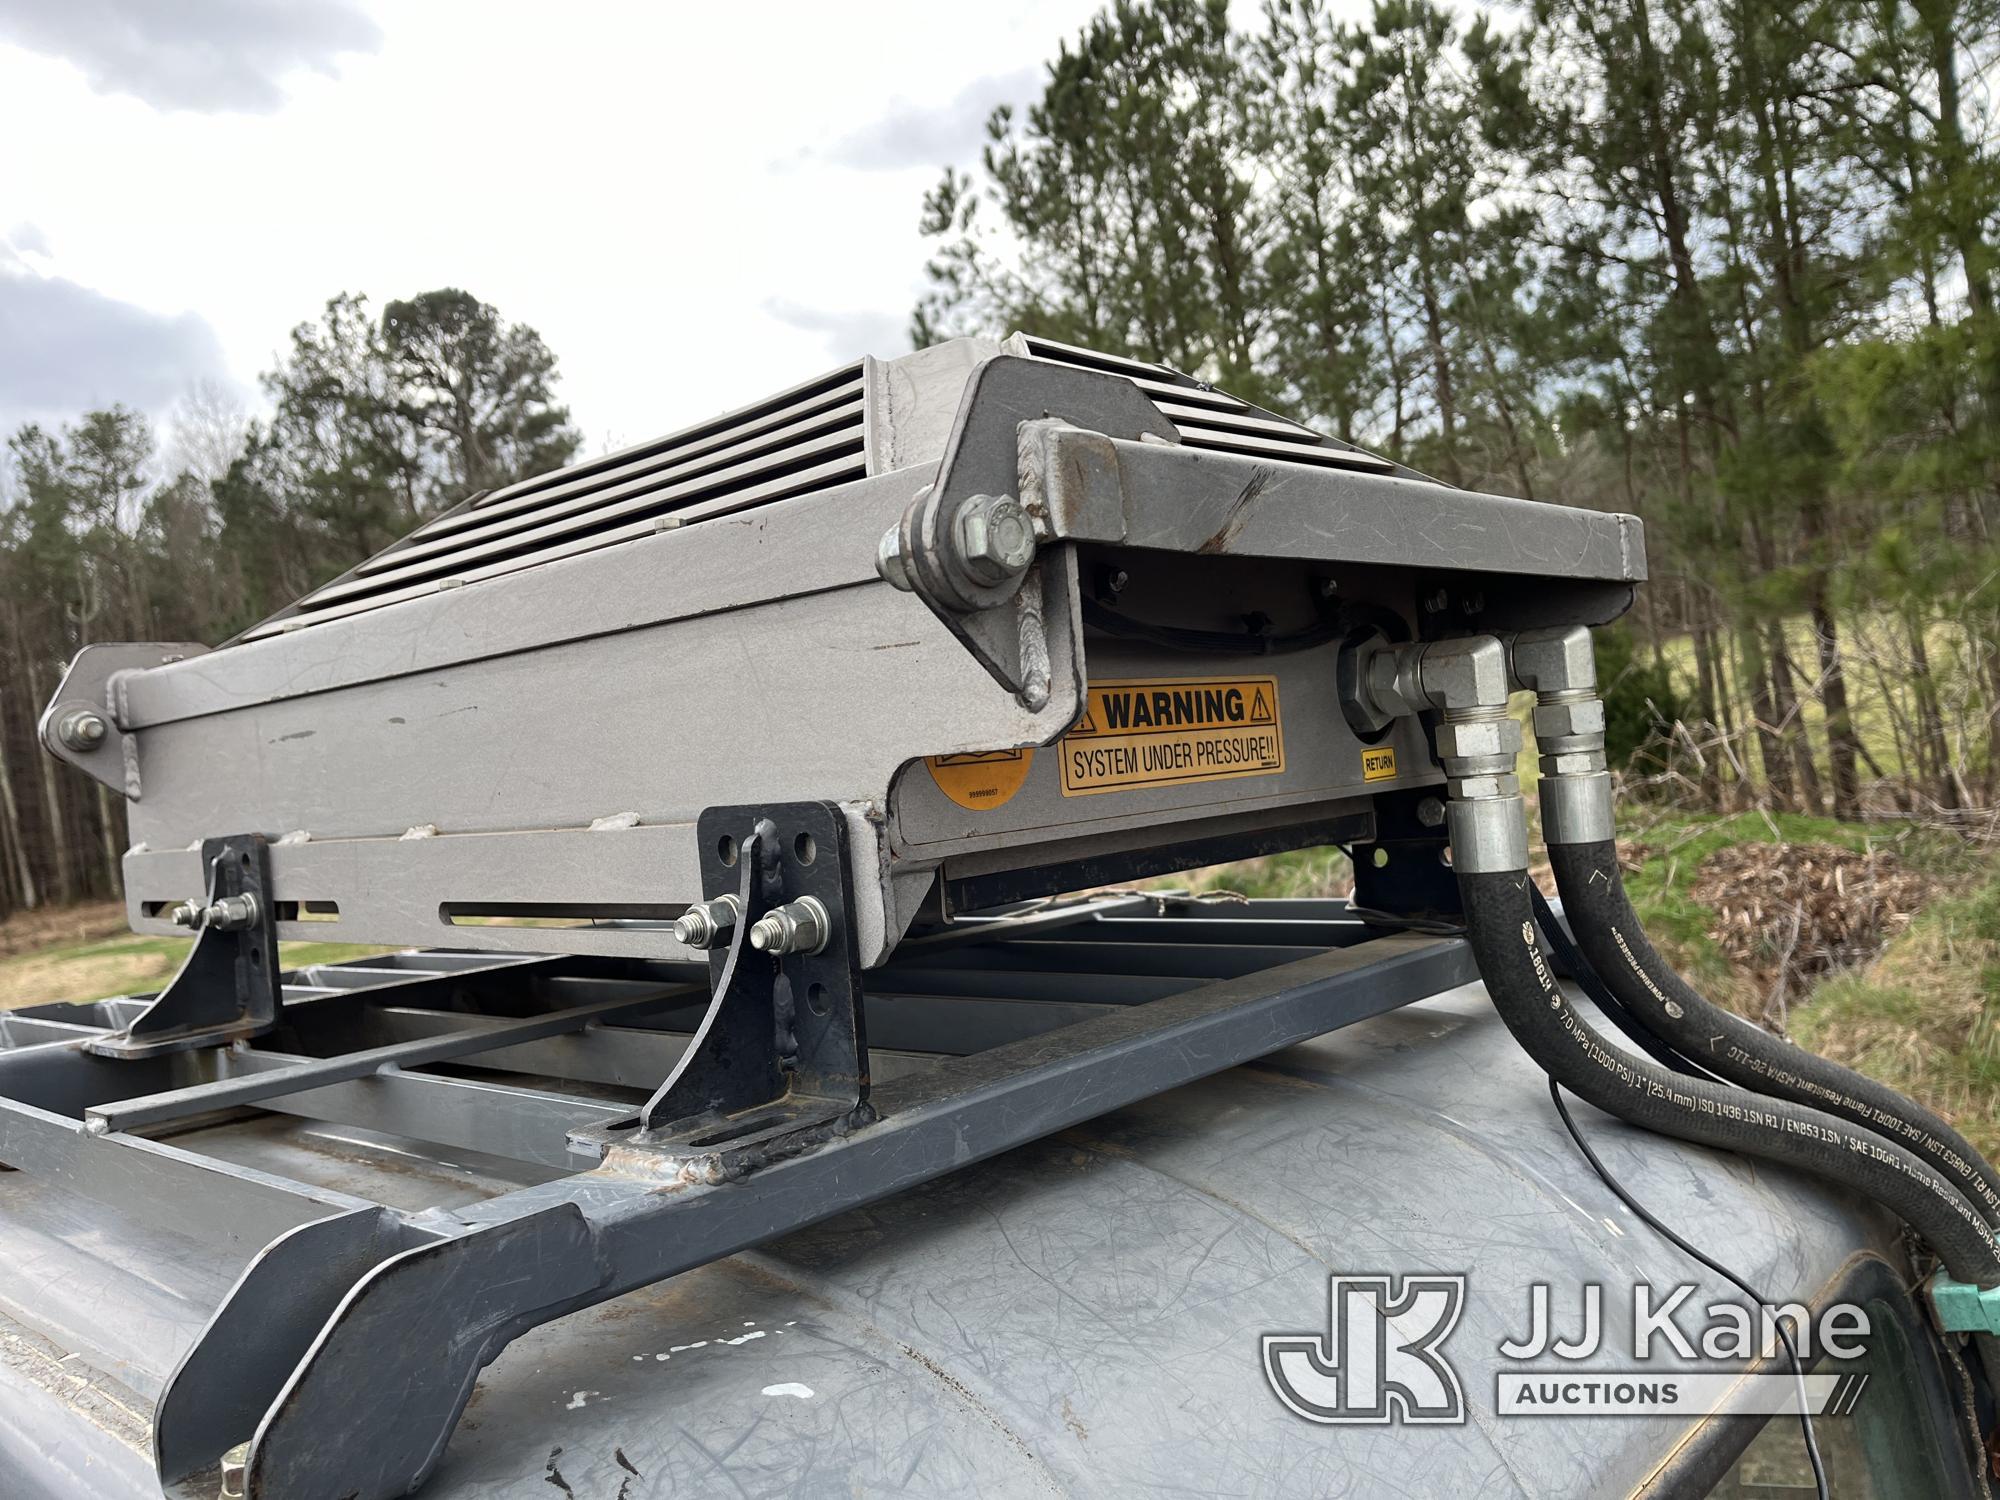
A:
(1465, 681)
(1558, 664)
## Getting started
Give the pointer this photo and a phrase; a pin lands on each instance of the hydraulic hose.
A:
(1608, 931)
(1467, 679)
(1500, 925)
(1578, 828)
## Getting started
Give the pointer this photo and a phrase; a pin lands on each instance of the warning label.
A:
(1378, 764)
(985, 779)
(1135, 734)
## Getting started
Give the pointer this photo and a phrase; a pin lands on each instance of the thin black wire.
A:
(1778, 1321)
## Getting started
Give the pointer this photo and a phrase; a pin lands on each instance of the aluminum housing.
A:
(499, 732)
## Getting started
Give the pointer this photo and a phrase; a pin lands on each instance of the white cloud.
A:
(204, 55)
(848, 335)
(26, 239)
(65, 349)
(908, 134)
(652, 187)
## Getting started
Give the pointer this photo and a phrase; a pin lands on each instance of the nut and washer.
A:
(706, 923)
(798, 927)
(1567, 718)
(232, 913)
(82, 729)
(188, 914)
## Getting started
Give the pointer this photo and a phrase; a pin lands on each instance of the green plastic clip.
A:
(1964, 1308)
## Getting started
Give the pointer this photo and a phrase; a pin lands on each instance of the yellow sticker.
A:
(1160, 733)
(1378, 764)
(985, 779)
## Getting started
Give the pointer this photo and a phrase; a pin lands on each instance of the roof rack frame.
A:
(349, 1346)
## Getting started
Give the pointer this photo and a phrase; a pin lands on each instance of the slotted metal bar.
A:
(257, 1086)
(762, 449)
(837, 470)
(799, 463)
(840, 376)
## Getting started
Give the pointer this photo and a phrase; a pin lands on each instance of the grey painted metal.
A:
(461, 713)
(93, 684)
(975, 1336)
(226, 1379)
(525, 1124)
(212, 1202)
(257, 1082)
(337, 1265)
(603, 1232)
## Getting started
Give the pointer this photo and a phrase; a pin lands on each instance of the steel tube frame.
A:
(373, 1323)
(636, 1220)
(256, 1083)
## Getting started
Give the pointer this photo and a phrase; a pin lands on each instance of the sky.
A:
(695, 204)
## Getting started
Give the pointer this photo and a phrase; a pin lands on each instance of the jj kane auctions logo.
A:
(1381, 1356)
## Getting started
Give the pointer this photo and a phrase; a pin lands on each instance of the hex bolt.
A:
(800, 927)
(1437, 603)
(82, 729)
(1430, 812)
(706, 923)
(235, 1470)
(994, 536)
(232, 913)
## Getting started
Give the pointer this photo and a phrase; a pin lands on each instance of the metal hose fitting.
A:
(1557, 664)
(1465, 680)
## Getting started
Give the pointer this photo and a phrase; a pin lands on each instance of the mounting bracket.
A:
(780, 1057)
(1403, 869)
(228, 988)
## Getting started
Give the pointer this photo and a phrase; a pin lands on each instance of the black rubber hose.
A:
(1608, 931)
(1577, 969)
(1500, 925)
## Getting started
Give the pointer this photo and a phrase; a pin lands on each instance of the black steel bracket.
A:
(780, 1057)
(228, 987)
(1403, 870)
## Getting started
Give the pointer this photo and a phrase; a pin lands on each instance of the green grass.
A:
(125, 964)
(1925, 1016)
